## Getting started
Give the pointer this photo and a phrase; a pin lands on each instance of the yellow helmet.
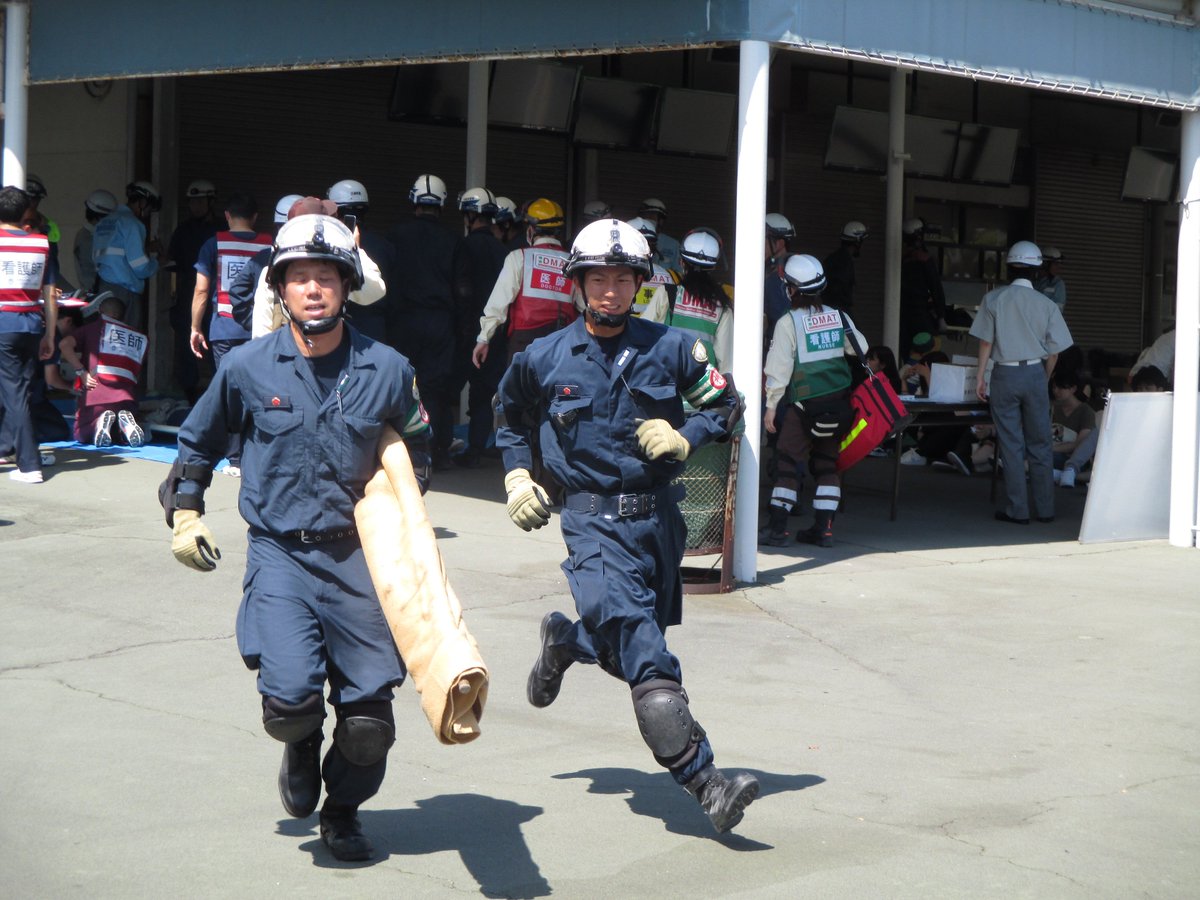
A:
(544, 215)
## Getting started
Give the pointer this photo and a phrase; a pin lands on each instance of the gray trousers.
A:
(1020, 404)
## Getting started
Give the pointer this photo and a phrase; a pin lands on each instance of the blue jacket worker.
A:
(608, 392)
(310, 402)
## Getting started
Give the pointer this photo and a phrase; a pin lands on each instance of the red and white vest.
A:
(120, 354)
(232, 254)
(547, 295)
(23, 260)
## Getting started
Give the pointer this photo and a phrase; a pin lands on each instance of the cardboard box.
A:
(952, 384)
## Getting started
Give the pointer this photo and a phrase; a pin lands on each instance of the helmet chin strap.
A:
(608, 320)
(313, 327)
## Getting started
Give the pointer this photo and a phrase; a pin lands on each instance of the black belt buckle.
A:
(634, 504)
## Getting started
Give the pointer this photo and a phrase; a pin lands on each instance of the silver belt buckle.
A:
(634, 504)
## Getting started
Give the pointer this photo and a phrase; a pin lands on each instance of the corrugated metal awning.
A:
(1087, 49)
(1107, 50)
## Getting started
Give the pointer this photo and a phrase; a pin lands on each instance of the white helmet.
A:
(428, 190)
(1052, 255)
(653, 206)
(100, 202)
(805, 273)
(144, 190)
(286, 202)
(201, 187)
(478, 200)
(34, 187)
(780, 226)
(506, 210)
(854, 231)
(912, 227)
(609, 242)
(700, 247)
(1024, 253)
(648, 229)
(349, 195)
(596, 209)
(315, 237)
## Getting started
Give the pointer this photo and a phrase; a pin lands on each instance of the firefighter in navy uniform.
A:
(608, 391)
(478, 259)
(310, 401)
(420, 308)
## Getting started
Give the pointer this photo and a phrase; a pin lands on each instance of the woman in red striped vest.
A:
(26, 329)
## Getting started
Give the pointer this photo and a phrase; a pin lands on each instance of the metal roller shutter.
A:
(1078, 209)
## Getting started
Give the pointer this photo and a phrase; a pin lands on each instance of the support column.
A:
(16, 92)
(748, 289)
(1184, 454)
(477, 123)
(895, 211)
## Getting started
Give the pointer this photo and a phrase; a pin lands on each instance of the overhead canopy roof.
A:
(1094, 48)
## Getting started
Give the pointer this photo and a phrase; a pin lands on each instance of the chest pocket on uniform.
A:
(657, 401)
(365, 427)
(566, 412)
(276, 420)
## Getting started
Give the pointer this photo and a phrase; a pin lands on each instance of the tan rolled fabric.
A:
(421, 608)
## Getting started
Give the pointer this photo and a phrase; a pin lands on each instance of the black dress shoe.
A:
(342, 834)
(1002, 516)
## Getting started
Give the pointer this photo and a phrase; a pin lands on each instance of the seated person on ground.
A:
(1073, 422)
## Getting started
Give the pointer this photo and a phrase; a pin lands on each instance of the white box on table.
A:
(952, 384)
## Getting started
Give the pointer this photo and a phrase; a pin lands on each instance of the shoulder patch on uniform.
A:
(699, 351)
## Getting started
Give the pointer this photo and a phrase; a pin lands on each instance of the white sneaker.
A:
(912, 458)
(958, 463)
(130, 428)
(1068, 478)
(232, 471)
(103, 437)
(34, 477)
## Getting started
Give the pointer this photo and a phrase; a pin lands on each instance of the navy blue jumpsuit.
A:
(309, 613)
(623, 569)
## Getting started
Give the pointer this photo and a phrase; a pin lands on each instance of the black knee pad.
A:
(365, 732)
(291, 722)
(666, 721)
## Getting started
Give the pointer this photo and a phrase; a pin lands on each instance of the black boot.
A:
(821, 530)
(723, 798)
(300, 775)
(774, 533)
(342, 833)
(545, 678)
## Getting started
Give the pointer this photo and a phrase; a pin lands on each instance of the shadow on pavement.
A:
(483, 831)
(656, 795)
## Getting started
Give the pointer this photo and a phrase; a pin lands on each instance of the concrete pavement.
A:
(944, 706)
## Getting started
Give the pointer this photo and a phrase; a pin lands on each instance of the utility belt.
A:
(305, 536)
(614, 506)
